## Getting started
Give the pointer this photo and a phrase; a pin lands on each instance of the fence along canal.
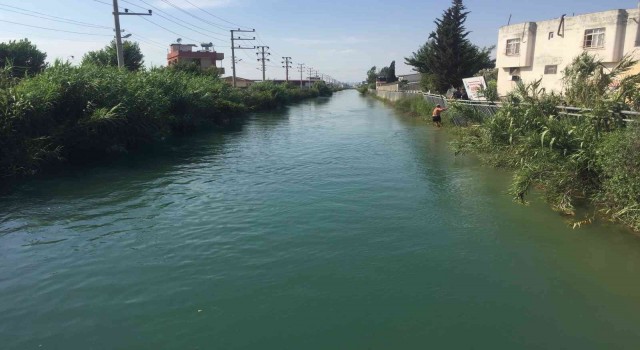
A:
(488, 109)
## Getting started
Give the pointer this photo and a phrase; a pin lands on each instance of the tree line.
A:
(25, 59)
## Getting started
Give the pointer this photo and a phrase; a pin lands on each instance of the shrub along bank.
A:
(588, 160)
(71, 114)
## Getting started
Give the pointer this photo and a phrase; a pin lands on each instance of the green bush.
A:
(571, 158)
(415, 106)
(72, 113)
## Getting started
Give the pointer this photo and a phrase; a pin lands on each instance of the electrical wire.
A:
(192, 15)
(149, 42)
(26, 12)
(159, 13)
(211, 14)
(169, 30)
(147, 39)
(53, 29)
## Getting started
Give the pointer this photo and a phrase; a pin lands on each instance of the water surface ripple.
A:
(332, 224)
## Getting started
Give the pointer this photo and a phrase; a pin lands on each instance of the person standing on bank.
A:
(436, 115)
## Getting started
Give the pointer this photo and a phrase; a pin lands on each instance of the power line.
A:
(211, 14)
(53, 29)
(287, 65)
(233, 49)
(116, 17)
(149, 40)
(26, 12)
(212, 33)
(170, 31)
(263, 49)
(301, 70)
(261, 41)
(192, 15)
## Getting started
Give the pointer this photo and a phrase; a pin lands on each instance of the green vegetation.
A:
(389, 73)
(586, 158)
(108, 56)
(72, 114)
(490, 76)
(448, 56)
(415, 106)
(372, 76)
(22, 57)
(363, 89)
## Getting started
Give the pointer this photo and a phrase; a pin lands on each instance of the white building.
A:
(541, 50)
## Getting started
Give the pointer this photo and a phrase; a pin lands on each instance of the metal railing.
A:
(489, 109)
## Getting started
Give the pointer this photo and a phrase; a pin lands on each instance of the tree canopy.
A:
(389, 73)
(372, 75)
(23, 57)
(448, 56)
(108, 56)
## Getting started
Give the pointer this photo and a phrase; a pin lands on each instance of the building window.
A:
(550, 35)
(594, 38)
(513, 47)
(552, 69)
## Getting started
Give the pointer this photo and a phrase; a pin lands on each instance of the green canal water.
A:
(333, 224)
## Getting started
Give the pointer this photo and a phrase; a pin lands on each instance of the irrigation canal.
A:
(332, 224)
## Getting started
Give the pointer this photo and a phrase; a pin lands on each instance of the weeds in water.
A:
(571, 158)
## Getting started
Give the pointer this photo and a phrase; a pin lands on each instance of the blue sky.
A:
(342, 38)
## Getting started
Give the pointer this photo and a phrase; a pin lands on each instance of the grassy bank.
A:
(71, 114)
(589, 159)
(577, 161)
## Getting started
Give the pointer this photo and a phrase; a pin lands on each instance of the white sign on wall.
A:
(474, 87)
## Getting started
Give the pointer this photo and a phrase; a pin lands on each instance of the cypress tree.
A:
(391, 73)
(448, 55)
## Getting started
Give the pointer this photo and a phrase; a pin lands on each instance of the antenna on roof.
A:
(179, 41)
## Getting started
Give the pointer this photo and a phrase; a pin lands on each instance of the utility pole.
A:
(287, 61)
(263, 59)
(116, 19)
(310, 72)
(234, 48)
(301, 70)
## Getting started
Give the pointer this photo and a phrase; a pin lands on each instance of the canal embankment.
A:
(70, 114)
(338, 208)
(577, 157)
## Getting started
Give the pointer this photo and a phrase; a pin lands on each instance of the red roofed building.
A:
(203, 59)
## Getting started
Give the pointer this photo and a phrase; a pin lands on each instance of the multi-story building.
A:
(204, 59)
(541, 50)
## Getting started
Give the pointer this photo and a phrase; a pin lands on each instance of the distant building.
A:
(243, 83)
(240, 82)
(204, 59)
(294, 82)
(541, 50)
(410, 78)
(410, 81)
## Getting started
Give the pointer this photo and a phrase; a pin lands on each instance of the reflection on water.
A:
(334, 223)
